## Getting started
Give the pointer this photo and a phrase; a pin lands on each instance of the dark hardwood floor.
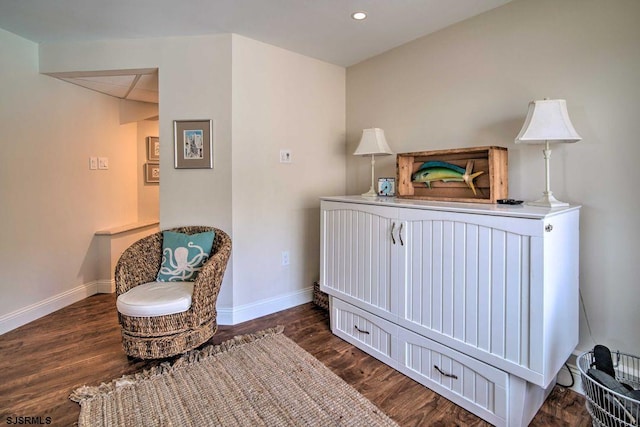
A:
(43, 361)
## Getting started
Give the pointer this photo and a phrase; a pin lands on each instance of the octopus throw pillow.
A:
(183, 255)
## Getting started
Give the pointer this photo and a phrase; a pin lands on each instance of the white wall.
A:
(282, 100)
(145, 115)
(194, 83)
(469, 85)
(261, 99)
(50, 202)
(148, 193)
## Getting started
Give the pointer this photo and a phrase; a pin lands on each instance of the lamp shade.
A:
(547, 120)
(372, 142)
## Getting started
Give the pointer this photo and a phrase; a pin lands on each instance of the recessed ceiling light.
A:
(359, 16)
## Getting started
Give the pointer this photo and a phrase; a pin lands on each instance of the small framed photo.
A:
(193, 141)
(386, 187)
(153, 148)
(151, 173)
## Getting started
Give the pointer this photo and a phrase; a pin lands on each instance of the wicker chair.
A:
(169, 335)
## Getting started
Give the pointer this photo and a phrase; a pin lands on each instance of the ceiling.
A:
(134, 85)
(321, 29)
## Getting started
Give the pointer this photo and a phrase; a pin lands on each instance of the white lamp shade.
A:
(372, 142)
(547, 120)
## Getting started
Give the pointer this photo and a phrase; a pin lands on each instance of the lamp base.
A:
(547, 201)
(371, 193)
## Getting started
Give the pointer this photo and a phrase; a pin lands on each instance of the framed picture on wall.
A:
(151, 173)
(193, 141)
(153, 148)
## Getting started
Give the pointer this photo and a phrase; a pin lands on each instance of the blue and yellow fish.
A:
(446, 172)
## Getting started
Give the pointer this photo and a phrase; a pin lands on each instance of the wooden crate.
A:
(490, 186)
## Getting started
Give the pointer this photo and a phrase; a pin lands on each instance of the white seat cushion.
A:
(156, 299)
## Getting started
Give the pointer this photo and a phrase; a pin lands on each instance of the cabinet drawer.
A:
(474, 385)
(366, 331)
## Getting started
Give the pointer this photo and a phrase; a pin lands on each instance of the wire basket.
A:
(606, 407)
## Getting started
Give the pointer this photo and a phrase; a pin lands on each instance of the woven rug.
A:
(262, 379)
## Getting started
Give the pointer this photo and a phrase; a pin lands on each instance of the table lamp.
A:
(371, 144)
(547, 121)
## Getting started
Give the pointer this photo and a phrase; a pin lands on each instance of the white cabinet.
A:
(359, 257)
(365, 330)
(491, 289)
(472, 384)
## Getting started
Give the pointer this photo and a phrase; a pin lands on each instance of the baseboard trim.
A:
(245, 312)
(17, 318)
(226, 316)
(106, 286)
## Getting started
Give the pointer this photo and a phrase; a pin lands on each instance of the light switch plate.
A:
(103, 163)
(93, 163)
(285, 156)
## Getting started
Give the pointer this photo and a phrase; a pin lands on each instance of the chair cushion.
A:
(156, 299)
(183, 255)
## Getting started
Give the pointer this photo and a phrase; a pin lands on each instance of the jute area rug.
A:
(262, 379)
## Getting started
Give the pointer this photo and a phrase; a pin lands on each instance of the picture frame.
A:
(193, 144)
(153, 148)
(151, 173)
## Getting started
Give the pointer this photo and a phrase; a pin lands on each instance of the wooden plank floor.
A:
(43, 361)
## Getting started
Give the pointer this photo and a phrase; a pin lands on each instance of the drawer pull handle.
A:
(400, 234)
(455, 377)
(393, 226)
(360, 330)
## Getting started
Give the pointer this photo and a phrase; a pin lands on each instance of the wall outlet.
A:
(285, 257)
(93, 163)
(103, 163)
(285, 156)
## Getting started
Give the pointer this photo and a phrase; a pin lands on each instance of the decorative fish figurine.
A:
(446, 172)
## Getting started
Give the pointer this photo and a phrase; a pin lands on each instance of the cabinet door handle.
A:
(400, 234)
(455, 377)
(361, 330)
(393, 226)
(548, 228)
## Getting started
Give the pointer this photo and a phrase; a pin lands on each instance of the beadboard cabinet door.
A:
(358, 256)
(478, 283)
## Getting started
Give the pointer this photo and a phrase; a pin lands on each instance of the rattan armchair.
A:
(169, 335)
